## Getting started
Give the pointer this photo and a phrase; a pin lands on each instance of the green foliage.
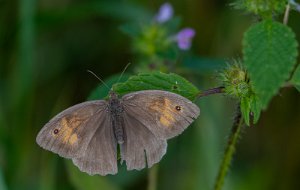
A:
(234, 79)
(250, 108)
(158, 81)
(153, 39)
(296, 79)
(270, 52)
(236, 84)
(264, 8)
(152, 44)
(155, 43)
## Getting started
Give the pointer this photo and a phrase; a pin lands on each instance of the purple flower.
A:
(184, 38)
(165, 13)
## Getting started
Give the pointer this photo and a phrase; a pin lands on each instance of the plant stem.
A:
(211, 91)
(286, 14)
(230, 149)
(152, 178)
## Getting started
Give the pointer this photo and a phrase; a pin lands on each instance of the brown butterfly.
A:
(140, 122)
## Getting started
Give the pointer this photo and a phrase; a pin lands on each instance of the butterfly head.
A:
(113, 95)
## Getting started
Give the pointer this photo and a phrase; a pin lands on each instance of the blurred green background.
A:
(46, 47)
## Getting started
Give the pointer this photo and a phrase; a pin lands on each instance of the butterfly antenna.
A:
(98, 78)
(123, 72)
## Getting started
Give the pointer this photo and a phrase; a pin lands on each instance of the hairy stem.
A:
(152, 178)
(230, 149)
(211, 91)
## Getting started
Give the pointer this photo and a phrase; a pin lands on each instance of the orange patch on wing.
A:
(64, 122)
(67, 127)
(165, 121)
(73, 139)
(164, 108)
(75, 121)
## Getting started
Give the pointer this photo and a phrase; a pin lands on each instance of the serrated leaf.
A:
(270, 51)
(296, 79)
(158, 81)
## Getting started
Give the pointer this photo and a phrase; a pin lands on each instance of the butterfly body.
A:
(115, 108)
(139, 122)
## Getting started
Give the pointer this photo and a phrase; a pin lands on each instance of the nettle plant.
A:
(267, 64)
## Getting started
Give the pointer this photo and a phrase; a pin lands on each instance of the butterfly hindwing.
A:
(140, 145)
(100, 157)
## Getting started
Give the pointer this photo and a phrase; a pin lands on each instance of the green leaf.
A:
(296, 79)
(158, 81)
(245, 109)
(250, 106)
(255, 108)
(270, 51)
(264, 8)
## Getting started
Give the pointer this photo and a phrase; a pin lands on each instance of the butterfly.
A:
(140, 123)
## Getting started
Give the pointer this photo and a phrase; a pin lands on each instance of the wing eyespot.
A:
(55, 131)
(178, 108)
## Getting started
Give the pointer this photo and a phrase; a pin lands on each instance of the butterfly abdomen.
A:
(117, 120)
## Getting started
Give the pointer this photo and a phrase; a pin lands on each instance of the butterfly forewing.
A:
(164, 113)
(69, 133)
